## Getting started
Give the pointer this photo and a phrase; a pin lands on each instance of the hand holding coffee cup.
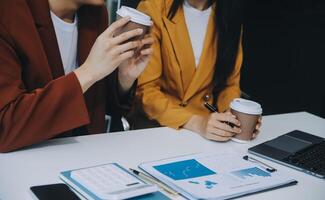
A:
(138, 20)
(249, 114)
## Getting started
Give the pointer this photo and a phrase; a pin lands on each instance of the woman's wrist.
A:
(125, 82)
(85, 77)
(196, 124)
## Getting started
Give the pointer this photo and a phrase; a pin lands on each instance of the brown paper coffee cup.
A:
(138, 20)
(248, 113)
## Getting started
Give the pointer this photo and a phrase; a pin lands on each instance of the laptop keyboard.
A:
(312, 158)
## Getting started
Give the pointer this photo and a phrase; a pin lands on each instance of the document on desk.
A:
(214, 175)
(109, 182)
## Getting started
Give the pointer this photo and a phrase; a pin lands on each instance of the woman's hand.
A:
(257, 129)
(131, 69)
(107, 54)
(214, 127)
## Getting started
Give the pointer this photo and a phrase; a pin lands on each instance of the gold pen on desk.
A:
(154, 181)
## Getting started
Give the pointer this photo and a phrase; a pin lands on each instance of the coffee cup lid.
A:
(246, 106)
(136, 16)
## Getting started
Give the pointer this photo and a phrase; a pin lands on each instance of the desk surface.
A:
(42, 163)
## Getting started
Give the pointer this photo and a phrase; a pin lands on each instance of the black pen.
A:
(210, 107)
(213, 109)
(267, 167)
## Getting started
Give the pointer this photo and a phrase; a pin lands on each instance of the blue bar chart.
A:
(251, 173)
(184, 170)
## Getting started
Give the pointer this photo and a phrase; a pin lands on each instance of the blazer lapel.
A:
(41, 13)
(87, 34)
(205, 69)
(181, 43)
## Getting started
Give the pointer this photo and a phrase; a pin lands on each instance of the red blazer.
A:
(37, 101)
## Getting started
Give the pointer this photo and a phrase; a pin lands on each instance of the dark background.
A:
(284, 47)
(284, 54)
(130, 3)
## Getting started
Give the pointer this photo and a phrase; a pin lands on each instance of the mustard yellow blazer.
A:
(171, 89)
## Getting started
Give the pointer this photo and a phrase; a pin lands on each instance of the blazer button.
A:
(207, 97)
(183, 104)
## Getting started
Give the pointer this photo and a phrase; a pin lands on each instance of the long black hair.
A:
(228, 21)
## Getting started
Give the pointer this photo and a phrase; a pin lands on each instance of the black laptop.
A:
(296, 149)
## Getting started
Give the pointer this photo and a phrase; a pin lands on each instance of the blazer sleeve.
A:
(28, 117)
(232, 91)
(118, 105)
(158, 104)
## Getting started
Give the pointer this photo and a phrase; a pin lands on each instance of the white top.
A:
(42, 163)
(67, 37)
(197, 25)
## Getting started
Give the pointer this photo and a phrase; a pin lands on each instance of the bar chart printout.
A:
(214, 175)
(253, 172)
(186, 169)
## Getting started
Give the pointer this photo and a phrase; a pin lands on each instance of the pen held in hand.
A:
(213, 109)
(210, 107)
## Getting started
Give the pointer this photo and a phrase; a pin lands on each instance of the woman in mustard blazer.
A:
(179, 79)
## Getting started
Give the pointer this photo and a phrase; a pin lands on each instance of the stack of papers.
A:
(214, 175)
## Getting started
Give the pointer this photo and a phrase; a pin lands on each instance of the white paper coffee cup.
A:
(136, 16)
(138, 20)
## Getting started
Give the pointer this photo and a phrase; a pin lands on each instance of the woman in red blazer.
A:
(38, 99)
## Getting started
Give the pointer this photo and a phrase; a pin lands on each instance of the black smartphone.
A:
(53, 192)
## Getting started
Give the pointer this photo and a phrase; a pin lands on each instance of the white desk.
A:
(42, 163)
